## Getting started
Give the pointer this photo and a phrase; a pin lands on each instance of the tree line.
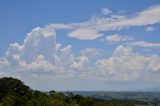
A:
(13, 92)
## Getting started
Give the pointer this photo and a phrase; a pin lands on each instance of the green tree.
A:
(9, 85)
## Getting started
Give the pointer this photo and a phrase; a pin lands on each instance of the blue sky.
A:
(81, 44)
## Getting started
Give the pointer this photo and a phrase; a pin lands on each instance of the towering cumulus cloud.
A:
(40, 53)
(37, 50)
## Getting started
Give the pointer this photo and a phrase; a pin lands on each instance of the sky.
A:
(81, 45)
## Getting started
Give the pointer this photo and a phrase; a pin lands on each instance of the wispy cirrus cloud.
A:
(85, 34)
(150, 29)
(118, 38)
(94, 27)
(144, 44)
(106, 11)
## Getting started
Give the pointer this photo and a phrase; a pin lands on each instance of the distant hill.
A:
(150, 90)
(141, 96)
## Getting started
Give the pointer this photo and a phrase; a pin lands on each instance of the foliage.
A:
(13, 92)
(10, 85)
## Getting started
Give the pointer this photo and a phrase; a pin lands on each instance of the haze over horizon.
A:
(85, 45)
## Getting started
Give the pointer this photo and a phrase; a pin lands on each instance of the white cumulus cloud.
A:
(125, 64)
(41, 54)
